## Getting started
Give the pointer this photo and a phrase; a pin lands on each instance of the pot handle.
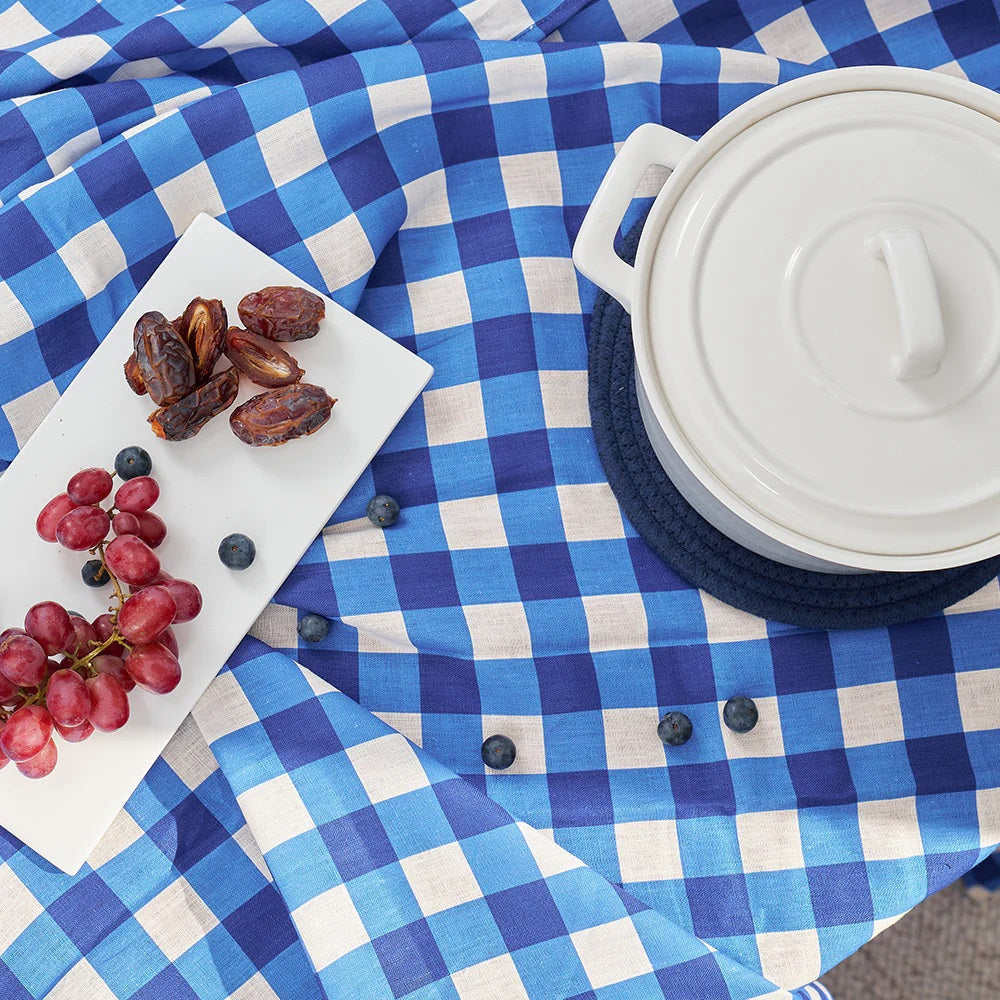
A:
(904, 251)
(594, 251)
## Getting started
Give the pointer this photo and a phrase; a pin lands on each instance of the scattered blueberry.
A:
(740, 714)
(95, 573)
(237, 551)
(132, 462)
(382, 510)
(674, 729)
(313, 627)
(499, 752)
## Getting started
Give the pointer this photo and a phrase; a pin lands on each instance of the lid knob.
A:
(904, 251)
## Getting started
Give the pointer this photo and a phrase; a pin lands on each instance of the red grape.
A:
(75, 734)
(152, 530)
(83, 528)
(89, 486)
(109, 703)
(22, 660)
(137, 494)
(51, 514)
(7, 690)
(11, 631)
(161, 577)
(124, 523)
(104, 626)
(26, 733)
(168, 639)
(49, 625)
(42, 764)
(86, 635)
(67, 698)
(187, 597)
(4, 759)
(154, 668)
(114, 665)
(131, 559)
(146, 614)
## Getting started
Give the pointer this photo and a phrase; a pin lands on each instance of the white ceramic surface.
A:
(211, 485)
(816, 317)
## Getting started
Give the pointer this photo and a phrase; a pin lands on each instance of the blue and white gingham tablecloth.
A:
(331, 831)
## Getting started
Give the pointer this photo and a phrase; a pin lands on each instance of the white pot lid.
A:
(823, 317)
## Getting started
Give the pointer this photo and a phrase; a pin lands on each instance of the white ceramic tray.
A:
(211, 485)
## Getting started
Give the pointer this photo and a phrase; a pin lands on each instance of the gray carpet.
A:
(947, 948)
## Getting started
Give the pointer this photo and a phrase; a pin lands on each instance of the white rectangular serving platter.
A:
(211, 485)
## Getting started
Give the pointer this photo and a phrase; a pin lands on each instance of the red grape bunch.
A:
(62, 674)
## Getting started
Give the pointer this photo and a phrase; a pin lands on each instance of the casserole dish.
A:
(815, 309)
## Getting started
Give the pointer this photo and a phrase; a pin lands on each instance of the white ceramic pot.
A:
(815, 310)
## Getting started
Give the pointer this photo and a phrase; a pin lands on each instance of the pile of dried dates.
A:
(174, 362)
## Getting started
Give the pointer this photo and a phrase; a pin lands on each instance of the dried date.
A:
(163, 359)
(279, 415)
(203, 326)
(260, 359)
(183, 419)
(282, 313)
(133, 376)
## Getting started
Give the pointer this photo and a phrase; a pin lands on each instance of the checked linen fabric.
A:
(328, 830)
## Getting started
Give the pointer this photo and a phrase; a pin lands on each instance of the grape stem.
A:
(119, 595)
(36, 696)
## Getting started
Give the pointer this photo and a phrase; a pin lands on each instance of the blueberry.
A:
(674, 729)
(94, 573)
(313, 627)
(740, 714)
(237, 551)
(382, 510)
(132, 462)
(499, 752)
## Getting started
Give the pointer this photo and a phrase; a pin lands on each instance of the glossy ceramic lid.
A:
(823, 322)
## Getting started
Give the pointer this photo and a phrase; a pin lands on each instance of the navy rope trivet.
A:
(704, 556)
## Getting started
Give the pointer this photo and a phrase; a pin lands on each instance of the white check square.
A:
(890, 829)
(870, 714)
(440, 878)
(498, 631)
(589, 512)
(630, 739)
(275, 812)
(979, 699)
(564, 398)
(495, 979)
(399, 100)
(616, 621)
(330, 926)
(189, 193)
(291, 147)
(176, 919)
(790, 958)
(770, 841)
(473, 522)
(387, 767)
(439, 303)
(611, 953)
(454, 413)
(93, 257)
(648, 850)
(792, 37)
(528, 735)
